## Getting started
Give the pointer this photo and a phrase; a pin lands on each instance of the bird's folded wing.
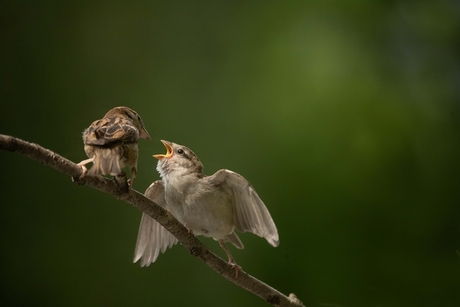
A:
(110, 130)
(152, 237)
(250, 212)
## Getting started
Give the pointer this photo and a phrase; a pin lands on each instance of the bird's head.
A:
(178, 159)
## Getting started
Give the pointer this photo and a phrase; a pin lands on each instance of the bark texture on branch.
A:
(119, 189)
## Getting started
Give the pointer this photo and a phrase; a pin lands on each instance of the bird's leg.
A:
(231, 261)
(121, 181)
(82, 164)
(133, 175)
(84, 170)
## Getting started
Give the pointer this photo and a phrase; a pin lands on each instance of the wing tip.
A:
(143, 261)
(273, 240)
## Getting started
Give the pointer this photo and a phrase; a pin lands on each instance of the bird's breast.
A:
(208, 211)
(203, 208)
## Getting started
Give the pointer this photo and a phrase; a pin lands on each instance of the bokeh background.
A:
(344, 115)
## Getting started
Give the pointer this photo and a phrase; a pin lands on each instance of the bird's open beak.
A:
(144, 134)
(169, 151)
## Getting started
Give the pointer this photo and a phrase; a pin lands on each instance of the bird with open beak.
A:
(213, 206)
(111, 143)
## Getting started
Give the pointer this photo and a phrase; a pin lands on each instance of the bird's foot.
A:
(122, 182)
(231, 261)
(84, 170)
(235, 267)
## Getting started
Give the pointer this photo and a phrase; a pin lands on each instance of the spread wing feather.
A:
(250, 213)
(152, 237)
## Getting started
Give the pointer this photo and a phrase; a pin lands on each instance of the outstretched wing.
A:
(152, 237)
(110, 130)
(249, 212)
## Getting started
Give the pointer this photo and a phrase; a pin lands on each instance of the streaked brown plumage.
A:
(111, 143)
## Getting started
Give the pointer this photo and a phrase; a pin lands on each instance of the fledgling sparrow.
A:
(213, 206)
(111, 143)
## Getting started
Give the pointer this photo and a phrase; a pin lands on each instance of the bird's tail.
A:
(107, 161)
(234, 239)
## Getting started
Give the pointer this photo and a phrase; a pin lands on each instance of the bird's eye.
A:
(180, 151)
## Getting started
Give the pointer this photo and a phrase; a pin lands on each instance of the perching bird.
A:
(213, 206)
(111, 143)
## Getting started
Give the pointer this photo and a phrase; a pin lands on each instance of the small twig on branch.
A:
(139, 201)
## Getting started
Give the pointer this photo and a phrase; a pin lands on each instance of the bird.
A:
(111, 143)
(213, 206)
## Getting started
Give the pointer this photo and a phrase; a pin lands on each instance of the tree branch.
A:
(119, 189)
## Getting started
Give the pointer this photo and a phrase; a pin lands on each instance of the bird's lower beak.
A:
(144, 134)
(169, 151)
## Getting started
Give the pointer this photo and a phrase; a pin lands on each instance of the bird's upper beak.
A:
(169, 151)
(144, 134)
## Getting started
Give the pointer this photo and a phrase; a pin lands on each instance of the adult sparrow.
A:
(111, 143)
(213, 206)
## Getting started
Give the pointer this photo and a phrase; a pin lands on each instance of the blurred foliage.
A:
(344, 115)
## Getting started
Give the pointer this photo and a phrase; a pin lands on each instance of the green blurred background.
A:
(344, 115)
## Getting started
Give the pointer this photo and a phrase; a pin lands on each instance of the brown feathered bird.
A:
(111, 143)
